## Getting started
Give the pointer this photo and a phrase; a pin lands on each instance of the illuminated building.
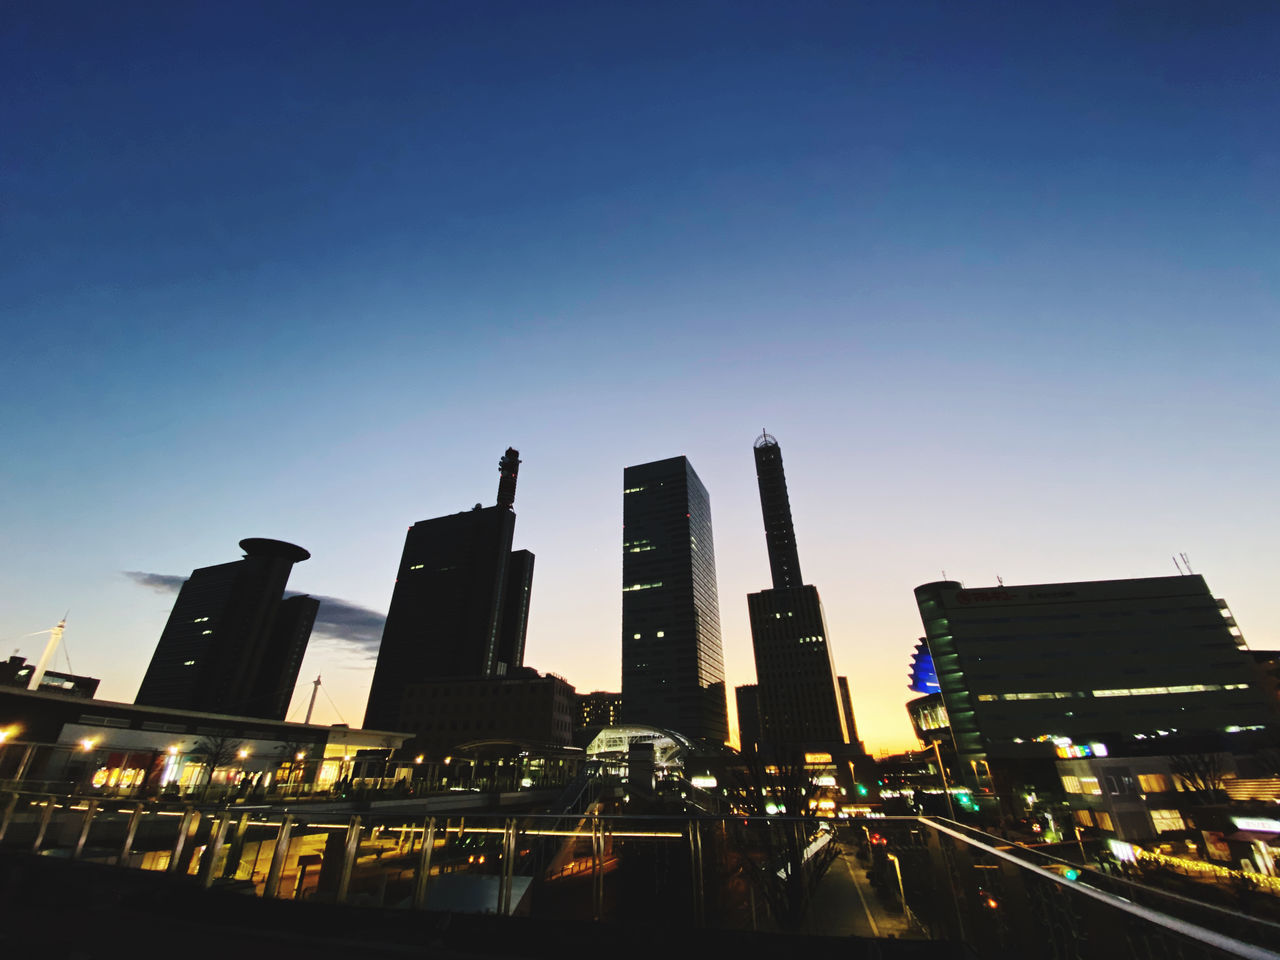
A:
(672, 665)
(460, 607)
(1025, 670)
(598, 709)
(800, 702)
(233, 644)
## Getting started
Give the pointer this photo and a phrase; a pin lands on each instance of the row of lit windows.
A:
(641, 586)
(1118, 692)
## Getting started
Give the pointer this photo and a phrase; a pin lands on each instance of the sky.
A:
(1002, 279)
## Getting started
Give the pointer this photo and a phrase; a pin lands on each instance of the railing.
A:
(925, 879)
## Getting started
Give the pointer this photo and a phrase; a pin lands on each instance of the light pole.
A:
(942, 775)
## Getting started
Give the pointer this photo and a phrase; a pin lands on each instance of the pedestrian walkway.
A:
(845, 904)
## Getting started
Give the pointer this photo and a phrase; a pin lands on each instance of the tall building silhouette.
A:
(460, 607)
(672, 665)
(800, 701)
(233, 644)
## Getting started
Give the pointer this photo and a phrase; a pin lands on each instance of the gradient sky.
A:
(1001, 278)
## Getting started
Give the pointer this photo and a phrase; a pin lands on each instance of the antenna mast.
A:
(315, 688)
(55, 637)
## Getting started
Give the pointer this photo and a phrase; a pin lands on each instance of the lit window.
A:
(1071, 784)
(188, 663)
(1104, 820)
(200, 620)
(635, 636)
(641, 586)
(662, 633)
(1091, 786)
(417, 566)
(1164, 820)
(205, 633)
(1153, 783)
(633, 489)
(1084, 818)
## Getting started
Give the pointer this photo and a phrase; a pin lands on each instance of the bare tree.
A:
(214, 751)
(1200, 774)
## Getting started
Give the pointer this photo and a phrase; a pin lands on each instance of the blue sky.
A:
(1002, 278)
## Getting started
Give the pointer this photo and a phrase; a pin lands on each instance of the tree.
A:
(781, 871)
(214, 751)
(1200, 774)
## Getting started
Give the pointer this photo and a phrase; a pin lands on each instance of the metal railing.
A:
(921, 878)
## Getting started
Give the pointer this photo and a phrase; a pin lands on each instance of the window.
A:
(1153, 783)
(1164, 820)
(1090, 786)
(1084, 818)
(1071, 784)
(1104, 820)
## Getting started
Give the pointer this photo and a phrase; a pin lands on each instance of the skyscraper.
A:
(233, 644)
(460, 606)
(800, 702)
(672, 665)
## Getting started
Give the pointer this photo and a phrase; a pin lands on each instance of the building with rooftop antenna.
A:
(799, 696)
(233, 643)
(460, 607)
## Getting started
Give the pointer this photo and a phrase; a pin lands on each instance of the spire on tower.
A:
(508, 468)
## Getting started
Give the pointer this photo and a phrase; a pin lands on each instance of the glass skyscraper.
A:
(672, 665)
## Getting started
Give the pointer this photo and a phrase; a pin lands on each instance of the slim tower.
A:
(800, 702)
(672, 665)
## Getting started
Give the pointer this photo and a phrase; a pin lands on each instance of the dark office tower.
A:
(748, 701)
(800, 704)
(779, 532)
(233, 644)
(460, 604)
(515, 611)
(846, 704)
(672, 666)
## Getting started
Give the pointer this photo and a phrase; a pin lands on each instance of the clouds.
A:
(160, 582)
(337, 620)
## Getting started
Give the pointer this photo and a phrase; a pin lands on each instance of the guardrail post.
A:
(187, 827)
(350, 851)
(504, 878)
(695, 856)
(272, 887)
(7, 817)
(597, 868)
(130, 831)
(45, 816)
(217, 837)
(235, 850)
(90, 812)
(423, 875)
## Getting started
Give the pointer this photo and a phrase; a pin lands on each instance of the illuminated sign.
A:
(817, 758)
(703, 783)
(1260, 824)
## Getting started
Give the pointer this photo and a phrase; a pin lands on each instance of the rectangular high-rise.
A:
(1021, 668)
(460, 606)
(233, 644)
(672, 665)
(801, 708)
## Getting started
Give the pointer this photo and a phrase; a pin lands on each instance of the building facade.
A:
(460, 607)
(233, 644)
(446, 715)
(672, 664)
(1027, 670)
(801, 708)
